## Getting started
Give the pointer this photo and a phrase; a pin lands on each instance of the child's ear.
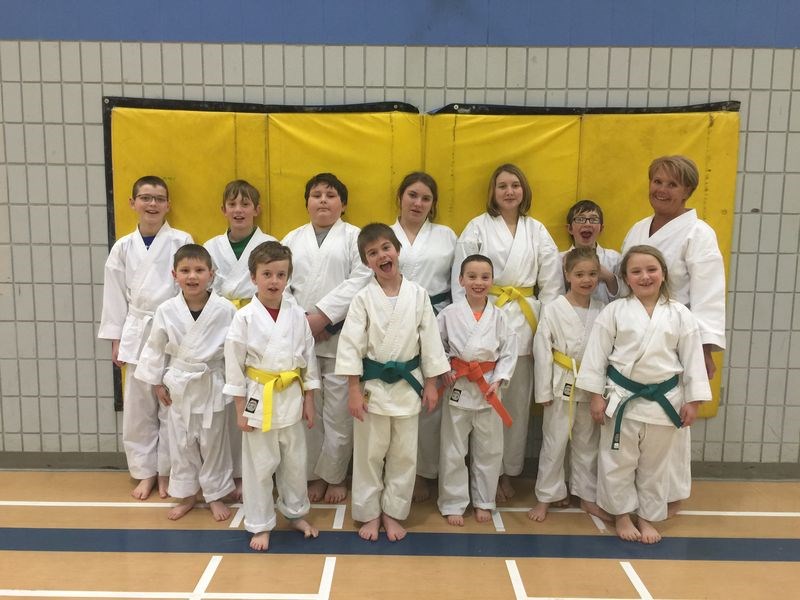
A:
(132, 201)
(174, 275)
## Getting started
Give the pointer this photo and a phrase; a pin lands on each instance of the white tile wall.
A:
(55, 377)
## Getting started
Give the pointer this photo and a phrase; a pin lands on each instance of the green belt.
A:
(437, 298)
(653, 391)
(392, 372)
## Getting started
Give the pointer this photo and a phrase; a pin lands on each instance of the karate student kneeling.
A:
(483, 354)
(389, 340)
(271, 371)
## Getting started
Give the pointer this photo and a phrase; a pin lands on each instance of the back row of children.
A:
(390, 340)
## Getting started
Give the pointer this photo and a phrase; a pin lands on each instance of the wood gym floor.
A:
(80, 535)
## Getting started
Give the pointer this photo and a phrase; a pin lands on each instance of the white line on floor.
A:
(205, 578)
(636, 581)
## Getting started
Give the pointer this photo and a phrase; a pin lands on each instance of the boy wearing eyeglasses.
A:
(138, 277)
(584, 224)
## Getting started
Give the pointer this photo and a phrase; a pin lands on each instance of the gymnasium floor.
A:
(80, 535)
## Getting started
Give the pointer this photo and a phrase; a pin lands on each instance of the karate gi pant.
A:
(482, 432)
(680, 466)
(144, 429)
(330, 441)
(517, 400)
(384, 466)
(428, 442)
(635, 478)
(200, 458)
(234, 439)
(281, 452)
(551, 479)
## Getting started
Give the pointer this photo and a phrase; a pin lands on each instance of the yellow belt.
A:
(239, 302)
(570, 364)
(272, 382)
(506, 293)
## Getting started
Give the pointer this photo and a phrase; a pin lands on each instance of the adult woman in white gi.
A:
(426, 258)
(696, 274)
(525, 257)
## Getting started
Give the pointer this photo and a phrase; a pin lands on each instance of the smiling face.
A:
(270, 279)
(194, 278)
(644, 275)
(324, 205)
(415, 204)
(151, 204)
(382, 258)
(582, 278)
(477, 280)
(508, 193)
(668, 195)
(585, 234)
(241, 213)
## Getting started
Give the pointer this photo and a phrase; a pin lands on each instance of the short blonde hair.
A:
(527, 195)
(681, 168)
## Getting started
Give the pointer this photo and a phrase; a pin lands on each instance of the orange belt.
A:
(474, 371)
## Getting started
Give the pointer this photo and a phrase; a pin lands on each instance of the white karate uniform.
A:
(528, 259)
(136, 280)
(609, 259)
(647, 350)
(325, 277)
(256, 340)
(696, 279)
(469, 421)
(566, 329)
(187, 357)
(428, 262)
(232, 281)
(383, 330)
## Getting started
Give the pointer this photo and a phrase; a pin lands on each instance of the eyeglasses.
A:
(147, 199)
(581, 220)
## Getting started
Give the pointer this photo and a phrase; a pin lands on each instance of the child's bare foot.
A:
(455, 520)
(505, 491)
(335, 493)
(219, 510)
(144, 488)
(304, 527)
(593, 509)
(184, 506)
(236, 494)
(649, 534)
(316, 490)
(421, 490)
(163, 484)
(539, 512)
(394, 530)
(260, 541)
(673, 508)
(626, 530)
(369, 530)
(563, 503)
(482, 515)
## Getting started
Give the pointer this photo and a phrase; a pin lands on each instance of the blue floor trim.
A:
(416, 544)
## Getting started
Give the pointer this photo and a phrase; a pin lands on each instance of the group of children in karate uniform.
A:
(329, 332)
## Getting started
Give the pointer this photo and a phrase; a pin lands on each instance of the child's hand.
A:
(546, 404)
(308, 408)
(317, 322)
(688, 413)
(162, 393)
(598, 408)
(448, 378)
(430, 396)
(355, 403)
(241, 421)
(492, 388)
(115, 354)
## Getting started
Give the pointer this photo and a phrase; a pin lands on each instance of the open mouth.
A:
(386, 267)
